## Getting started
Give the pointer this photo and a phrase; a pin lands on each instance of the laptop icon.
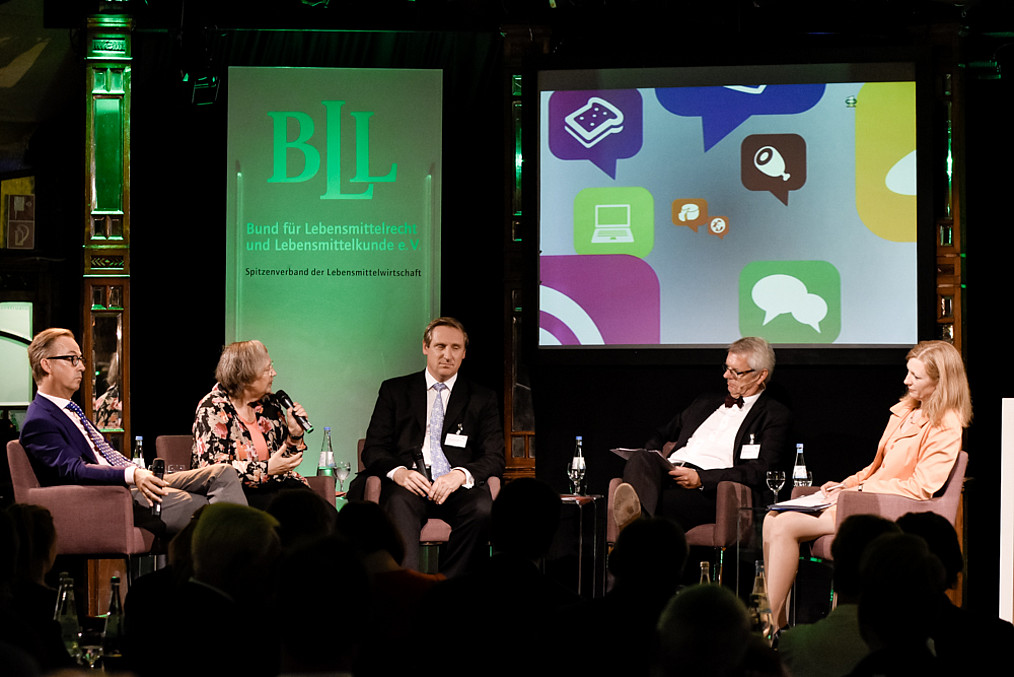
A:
(612, 224)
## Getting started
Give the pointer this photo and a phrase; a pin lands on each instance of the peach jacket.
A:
(914, 463)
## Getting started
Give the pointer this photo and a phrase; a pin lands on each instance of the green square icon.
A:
(614, 220)
(790, 301)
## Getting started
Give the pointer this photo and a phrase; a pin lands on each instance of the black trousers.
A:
(661, 496)
(466, 511)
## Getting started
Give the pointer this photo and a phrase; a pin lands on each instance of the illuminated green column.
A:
(107, 225)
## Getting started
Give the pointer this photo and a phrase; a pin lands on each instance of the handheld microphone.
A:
(286, 402)
(158, 470)
(420, 463)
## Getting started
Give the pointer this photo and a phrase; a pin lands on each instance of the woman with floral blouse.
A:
(239, 423)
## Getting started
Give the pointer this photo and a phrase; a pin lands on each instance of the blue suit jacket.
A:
(57, 450)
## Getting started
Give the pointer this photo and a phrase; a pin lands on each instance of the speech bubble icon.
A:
(790, 301)
(780, 294)
(690, 212)
(723, 109)
(719, 226)
(601, 126)
(773, 163)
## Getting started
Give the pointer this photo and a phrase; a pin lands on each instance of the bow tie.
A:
(730, 400)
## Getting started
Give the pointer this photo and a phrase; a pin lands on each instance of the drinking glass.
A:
(575, 471)
(89, 644)
(341, 471)
(775, 480)
(803, 481)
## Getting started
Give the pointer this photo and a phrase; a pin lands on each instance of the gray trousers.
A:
(191, 489)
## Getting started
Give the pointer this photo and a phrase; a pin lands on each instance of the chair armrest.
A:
(888, 506)
(89, 519)
(612, 532)
(372, 491)
(323, 486)
(494, 486)
(732, 496)
(798, 492)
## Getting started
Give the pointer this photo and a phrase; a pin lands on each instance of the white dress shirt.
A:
(713, 443)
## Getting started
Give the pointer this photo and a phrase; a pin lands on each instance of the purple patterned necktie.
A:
(439, 462)
(115, 458)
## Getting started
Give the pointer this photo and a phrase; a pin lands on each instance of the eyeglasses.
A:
(736, 374)
(73, 359)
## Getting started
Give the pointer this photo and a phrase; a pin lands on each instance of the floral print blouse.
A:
(220, 436)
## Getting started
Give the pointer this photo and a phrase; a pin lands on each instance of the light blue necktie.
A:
(115, 458)
(440, 466)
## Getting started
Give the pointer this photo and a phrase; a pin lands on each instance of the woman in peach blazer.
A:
(914, 458)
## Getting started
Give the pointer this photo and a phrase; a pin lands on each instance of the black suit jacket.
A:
(769, 421)
(398, 425)
(59, 452)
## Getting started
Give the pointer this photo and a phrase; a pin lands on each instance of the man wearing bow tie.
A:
(435, 422)
(64, 447)
(735, 436)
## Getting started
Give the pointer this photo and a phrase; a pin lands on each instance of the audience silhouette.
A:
(301, 590)
(832, 646)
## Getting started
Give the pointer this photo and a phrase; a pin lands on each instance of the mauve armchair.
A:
(95, 521)
(891, 506)
(733, 520)
(434, 531)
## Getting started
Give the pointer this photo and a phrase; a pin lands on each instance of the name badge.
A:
(456, 440)
(750, 452)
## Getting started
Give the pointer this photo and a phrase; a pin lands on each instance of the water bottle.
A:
(112, 641)
(66, 615)
(325, 464)
(760, 606)
(800, 477)
(576, 469)
(137, 456)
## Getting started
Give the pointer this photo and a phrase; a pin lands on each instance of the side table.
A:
(577, 558)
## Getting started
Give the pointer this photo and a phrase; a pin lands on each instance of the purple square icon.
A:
(600, 126)
(608, 299)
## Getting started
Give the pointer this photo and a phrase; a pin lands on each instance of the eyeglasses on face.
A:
(736, 374)
(73, 359)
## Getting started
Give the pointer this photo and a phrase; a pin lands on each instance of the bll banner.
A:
(333, 232)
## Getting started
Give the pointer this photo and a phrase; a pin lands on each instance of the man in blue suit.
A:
(434, 419)
(64, 447)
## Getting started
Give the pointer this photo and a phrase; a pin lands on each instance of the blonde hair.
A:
(944, 365)
(39, 347)
(240, 365)
(443, 322)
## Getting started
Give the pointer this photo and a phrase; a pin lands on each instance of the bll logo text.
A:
(333, 149)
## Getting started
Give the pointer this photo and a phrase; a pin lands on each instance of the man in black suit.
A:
(450, 426)
(736, 436)
(64, 447)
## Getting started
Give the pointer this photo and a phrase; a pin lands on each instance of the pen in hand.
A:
(827, 490)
